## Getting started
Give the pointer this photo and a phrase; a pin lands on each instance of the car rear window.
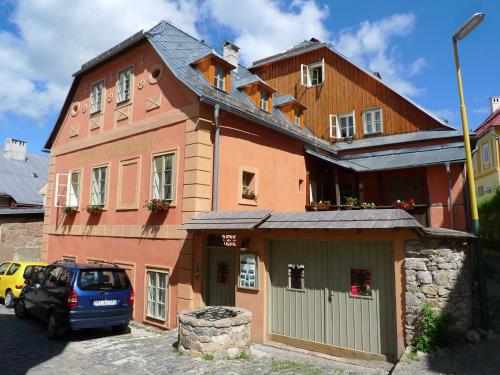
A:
(13, 269)
(31, 271)
(103, 279)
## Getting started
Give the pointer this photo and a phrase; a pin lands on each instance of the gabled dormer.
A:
(216, 70)
(259, 92)
(291, 108)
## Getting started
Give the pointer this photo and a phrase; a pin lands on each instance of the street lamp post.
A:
(462, 32)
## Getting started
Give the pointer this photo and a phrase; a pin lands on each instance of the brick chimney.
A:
(15, 149)
(231, 54)
(495, 103)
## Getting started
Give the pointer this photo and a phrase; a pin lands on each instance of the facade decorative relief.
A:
(116, 150)
(84, 108)
(110, 97)
(140, 84)
(75, 107)
(153, 102)
(74, 130)
(122, 113)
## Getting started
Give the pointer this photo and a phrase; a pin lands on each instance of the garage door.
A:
(339, 293)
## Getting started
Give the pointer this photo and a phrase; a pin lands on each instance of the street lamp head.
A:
(467, 27)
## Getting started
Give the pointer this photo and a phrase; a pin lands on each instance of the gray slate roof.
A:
(21, 211)
(397, 158)
(222, 220)
(349, 219)
(17, 178)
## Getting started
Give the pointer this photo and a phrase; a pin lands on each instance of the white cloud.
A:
(370, 46)
(482, 111)
(446, 114)
(265, 27)
(55, 37)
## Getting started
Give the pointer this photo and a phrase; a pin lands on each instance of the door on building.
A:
(221, 276)
(339, 293)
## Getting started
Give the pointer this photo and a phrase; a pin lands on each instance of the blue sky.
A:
(409, 42)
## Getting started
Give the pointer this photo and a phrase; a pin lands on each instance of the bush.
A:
(432, 330)
(489, 221)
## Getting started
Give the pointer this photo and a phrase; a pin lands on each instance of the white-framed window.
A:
(297, 113)
(124, 85)
(372, 121)
(485, 152)
(346, 125)
(312, 74)
(99, 185)
(73, 199)
(220, 78)
(264, 101)
(96, 93)
(163, 186)
(157, 296)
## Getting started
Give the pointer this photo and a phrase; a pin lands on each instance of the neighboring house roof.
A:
(492, 120)
(21, 211)
(308, 46)
(22, 179)
(397, 158)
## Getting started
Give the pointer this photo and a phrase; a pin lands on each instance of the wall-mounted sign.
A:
(248, 271)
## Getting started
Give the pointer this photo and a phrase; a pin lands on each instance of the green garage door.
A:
(339, 293)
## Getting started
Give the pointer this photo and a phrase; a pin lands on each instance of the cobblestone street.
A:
(25, 348)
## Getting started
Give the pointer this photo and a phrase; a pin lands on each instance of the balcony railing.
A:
(419, 211)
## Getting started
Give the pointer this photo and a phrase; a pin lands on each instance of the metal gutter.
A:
(215, 183)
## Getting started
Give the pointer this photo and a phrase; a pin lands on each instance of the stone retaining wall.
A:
(21, 240)
(224, 338)
(438, 273)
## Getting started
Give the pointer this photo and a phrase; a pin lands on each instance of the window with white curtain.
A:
(163, 176)
(124, 85)
(99, 177)
(157, 296)
(96, 93)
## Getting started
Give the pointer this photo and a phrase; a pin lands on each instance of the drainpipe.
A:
(450, 188)
(215, 181)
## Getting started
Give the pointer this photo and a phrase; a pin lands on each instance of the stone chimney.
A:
(231, 54)
(15, 149)
(495, 103)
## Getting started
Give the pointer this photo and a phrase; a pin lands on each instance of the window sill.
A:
(123, 103)
(373, 134)
(126, 208)
(96, 113)
(296, 290)
(247, 202)
(311, 86)
(360, 296)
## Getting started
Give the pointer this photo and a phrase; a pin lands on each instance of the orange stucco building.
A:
(163, 116)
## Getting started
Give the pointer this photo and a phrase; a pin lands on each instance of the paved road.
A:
(24, 348)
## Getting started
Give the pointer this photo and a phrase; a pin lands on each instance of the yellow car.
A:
(12, 278)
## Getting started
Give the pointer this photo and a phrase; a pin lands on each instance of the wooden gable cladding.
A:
(207, 65)
(345, 89)
(254, 92)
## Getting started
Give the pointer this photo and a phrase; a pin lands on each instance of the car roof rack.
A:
(103, 262)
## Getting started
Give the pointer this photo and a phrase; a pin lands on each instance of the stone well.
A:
(223, 332)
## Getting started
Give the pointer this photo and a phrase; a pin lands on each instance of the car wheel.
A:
(9, 300)
(20, 309)
(55, 330)
(119, 329)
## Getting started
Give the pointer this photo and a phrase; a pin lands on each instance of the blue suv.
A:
(74, 296)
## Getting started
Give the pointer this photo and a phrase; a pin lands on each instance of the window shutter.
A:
(61, 197)
(353, 122)
(334, 127)
(304, 75)
(322, 70)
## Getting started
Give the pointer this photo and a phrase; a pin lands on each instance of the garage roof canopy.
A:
(349, 219)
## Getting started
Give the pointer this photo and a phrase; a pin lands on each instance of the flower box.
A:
(157, 205)
(95, 209)
(404, 205)
(68, 210)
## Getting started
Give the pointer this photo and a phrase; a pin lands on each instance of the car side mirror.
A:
(40, 277)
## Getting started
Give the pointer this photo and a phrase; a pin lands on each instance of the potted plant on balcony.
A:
(95, 209)
(321, 206)
(368, 205)
(350, 202)
(157, 205)
(404, 205)
(68, 210)
(248, 194)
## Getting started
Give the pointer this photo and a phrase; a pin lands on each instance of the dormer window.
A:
(297, 114)
(220, 78)
(312, 74)
(264, 101)
(96, 97)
